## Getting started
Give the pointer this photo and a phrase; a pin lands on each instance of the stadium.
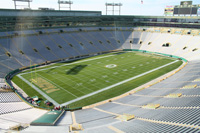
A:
(82, 71)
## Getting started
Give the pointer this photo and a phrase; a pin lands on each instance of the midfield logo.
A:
(111, 66)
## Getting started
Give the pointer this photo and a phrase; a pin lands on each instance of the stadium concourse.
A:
(171, 105)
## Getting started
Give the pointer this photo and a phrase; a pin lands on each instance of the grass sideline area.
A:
(67, 81)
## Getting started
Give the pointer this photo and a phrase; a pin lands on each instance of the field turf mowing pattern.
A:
(82, 77)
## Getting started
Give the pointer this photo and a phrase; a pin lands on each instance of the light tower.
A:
(27, 1)
(61, 2)
(113, 7)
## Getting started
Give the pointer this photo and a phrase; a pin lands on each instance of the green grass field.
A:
(64, 82)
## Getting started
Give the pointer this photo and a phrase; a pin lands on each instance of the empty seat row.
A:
(13, 107)
(9, 97)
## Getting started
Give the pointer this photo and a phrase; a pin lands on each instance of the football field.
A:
(90, 80)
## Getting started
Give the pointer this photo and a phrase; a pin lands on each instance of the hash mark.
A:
(54, 73)
(105, 76)
(92, 80)
(79, 84)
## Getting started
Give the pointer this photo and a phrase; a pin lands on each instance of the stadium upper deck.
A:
(33, 19)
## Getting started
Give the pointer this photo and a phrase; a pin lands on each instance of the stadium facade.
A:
(39, 19)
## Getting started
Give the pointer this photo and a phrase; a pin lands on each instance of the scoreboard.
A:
(192, 10)
(186, 3)
(185, 8)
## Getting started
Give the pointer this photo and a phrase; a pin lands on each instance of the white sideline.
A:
(41, 92)
(68, 64)
(93, 93)
(119, 83)
(38, 90)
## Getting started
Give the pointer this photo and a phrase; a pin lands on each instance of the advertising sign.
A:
(169, 10)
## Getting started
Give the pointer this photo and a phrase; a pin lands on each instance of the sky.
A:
(130, 7)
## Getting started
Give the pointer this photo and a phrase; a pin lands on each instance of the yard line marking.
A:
(69, 64)
(71, 81)
(119, 83)
(57, 85)
(38, 90)
(95, 61)
(41, 92)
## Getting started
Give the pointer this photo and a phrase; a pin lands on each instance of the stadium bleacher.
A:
(45, 45)
(14, 112)
(13, 107)
(175, 114)
(6, 97)
(34, 37)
